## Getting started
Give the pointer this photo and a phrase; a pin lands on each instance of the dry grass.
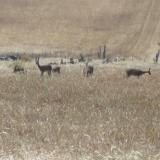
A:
(106, 116)
(26, 57)
(126, 27)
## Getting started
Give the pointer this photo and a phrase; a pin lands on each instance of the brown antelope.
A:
(136, 72)
(44, 68)
(88, 70)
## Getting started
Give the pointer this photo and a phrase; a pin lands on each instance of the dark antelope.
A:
(137, 72)
(88, 70)
(18, 68)
(44, 68)
(56, 69)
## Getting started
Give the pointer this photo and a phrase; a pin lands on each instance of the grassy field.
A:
(127, 27)
(68, 116)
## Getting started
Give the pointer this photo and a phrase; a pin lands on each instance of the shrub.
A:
(25, 57)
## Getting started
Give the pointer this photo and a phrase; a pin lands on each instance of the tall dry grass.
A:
(106, 116)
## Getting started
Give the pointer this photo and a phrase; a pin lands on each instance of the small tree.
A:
(104, 52)
(25, 57)
(99, 53)
(61, 62)
(157, 57)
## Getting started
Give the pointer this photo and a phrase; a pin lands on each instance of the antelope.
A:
(88, 70)
(56, 69)
(18, 68)
(136, 72)
(44, 68)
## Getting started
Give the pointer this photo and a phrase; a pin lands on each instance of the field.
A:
(68, 116)
(127, 27)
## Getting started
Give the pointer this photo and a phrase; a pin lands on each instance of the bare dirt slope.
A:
(128, 27)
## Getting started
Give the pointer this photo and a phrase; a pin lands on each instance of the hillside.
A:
(129, 27)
